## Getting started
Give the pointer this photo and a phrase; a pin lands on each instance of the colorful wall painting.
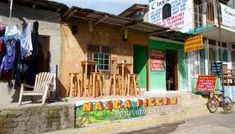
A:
(88, 112)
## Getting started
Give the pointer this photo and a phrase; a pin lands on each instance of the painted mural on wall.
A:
(228, 16)
(171, 13)
(107, 110)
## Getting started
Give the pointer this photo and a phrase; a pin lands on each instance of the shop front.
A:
(168, 68)
(104, 56)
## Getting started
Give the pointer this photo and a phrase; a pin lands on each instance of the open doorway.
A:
(171, 70)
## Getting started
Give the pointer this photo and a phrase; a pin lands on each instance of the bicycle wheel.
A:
(212, 105)
(227, 104)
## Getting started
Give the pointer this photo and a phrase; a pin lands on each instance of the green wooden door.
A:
(140, 60)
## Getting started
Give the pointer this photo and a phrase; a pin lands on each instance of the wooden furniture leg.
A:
(93, 85)
(90, 86)
(128, 84)
(71, 85)
(123, 84)
(100, 85)
(134, 84)
(114, 84)
(78, 86)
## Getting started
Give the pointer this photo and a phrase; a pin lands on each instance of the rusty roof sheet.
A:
(41, 4)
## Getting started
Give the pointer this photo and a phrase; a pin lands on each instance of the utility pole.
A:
(220, 43)
(10, 13)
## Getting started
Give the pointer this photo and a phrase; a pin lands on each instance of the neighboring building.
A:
(48, 14)
(200, 17)
(231, 3)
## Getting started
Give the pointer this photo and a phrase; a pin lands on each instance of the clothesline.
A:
(14, 45)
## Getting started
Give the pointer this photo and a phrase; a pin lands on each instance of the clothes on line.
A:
(18, 53)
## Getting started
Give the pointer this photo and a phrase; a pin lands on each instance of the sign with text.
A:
(228, 16)
(174, 14)
(96, 111)
(217, 69)
(157, 60)
(206, 83)
(193, 43)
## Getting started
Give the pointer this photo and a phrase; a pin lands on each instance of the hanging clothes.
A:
(35, 39)
(26, 42)
(12, 31)
(19, 77)
(9, 55)
(2, 31)
(2, 50)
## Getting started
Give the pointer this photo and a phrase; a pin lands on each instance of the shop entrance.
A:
(140, 65)
(171, 70)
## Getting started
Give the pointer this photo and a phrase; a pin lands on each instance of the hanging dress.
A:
(9, 57)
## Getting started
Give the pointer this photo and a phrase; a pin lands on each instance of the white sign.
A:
(228, 16)
(178, 18)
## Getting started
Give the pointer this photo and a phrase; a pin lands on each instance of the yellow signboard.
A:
(193, 43)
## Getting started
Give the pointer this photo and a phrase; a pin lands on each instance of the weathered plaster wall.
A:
(37, 119)
(74, 48)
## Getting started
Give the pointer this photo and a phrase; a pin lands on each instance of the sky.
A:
(109, 6)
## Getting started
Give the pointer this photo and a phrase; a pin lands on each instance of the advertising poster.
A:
(206, 83)
(177, 10)
(228, 16)
(193, 43)
(157, 60)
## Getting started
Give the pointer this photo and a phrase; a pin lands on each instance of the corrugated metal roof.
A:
(41, 4)
(134, 8)
(110, 19)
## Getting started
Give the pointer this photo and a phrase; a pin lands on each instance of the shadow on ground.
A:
(162, 129)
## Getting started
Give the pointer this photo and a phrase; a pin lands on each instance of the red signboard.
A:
(206, 83)
(157, 60)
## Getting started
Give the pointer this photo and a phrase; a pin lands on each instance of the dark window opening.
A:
(166, 11)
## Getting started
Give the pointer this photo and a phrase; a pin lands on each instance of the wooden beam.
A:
(71, 14)
(102, 19)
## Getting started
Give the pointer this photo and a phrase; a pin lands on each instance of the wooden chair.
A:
(40, 88)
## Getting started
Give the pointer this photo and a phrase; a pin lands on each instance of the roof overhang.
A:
(41, 4)
(109, 19)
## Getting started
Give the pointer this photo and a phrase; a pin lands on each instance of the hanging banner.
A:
(206, 83)
(228, 16)
(174, 14)
(157, 60)
(193, 43)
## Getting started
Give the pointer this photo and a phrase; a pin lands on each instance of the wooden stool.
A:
(97, 84)
(74, 89)
(130, 82)
(115, 85)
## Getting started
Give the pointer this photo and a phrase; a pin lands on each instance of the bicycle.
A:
(219, 100)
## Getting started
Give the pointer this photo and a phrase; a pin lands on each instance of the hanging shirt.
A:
(26, 42)
(12, 31)
(35, 39)
(9, 57)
